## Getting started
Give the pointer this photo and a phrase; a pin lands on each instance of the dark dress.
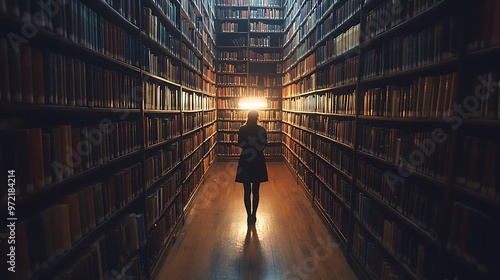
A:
(252, 139)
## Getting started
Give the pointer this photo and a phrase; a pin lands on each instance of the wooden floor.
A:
(288, 241)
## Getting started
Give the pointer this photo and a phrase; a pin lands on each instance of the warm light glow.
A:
(252, 103)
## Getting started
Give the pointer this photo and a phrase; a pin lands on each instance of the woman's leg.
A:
(246, 197)
(255, 192)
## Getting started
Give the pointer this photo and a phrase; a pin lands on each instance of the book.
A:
(26, 74)
(72, 201)
(36, 145)
(475, 163)
(490, 179)
(25, 162)
(38, 76)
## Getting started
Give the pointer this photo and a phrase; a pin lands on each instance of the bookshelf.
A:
(108, 121)
(249, 53)
(373, 129)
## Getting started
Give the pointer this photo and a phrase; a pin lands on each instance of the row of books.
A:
(208, 71)
(192, 183)
(326, 173)
(273, 115)
(265, 27)
(209, 117)
(209, 103)
(192, 160)
(304, 137)
(473, 239)
(266, 81)
(306, 103)
(232, 27)
(394, 13)
(210, 131)
(159, 164)
(190, 58)
(169, 9)
(158, 130)
(157, 30)
(429, 45)
(344, 104)
(307, 157)
(341, 44)
(128, 9)
(192, 34)
(486, 88)
(420, 205)
(113, 255)
(232, 80)
(339, 74)
(231, 91)
(90, 29)
(192, 121)
(231, 68)
(478, 163)
(158, 96)
(337, 184)
(484, 28)
(303, 85)
(51, 154)
(301, 69)
(193, 142)
(304, 121)
(409, 249)
(192, 100)
(191, 79)
(160, 64)
(264, 56)
(231, 13)
(47, 235)
(374, 260)
(263, 41)
(162, 229)
(266, 13)
(425, 97)
(303, 173)
(414, 150)
(43, 77)
(161, 197)
(336, 155)
(332, 207)
(209, 87)
(346, 11)
(232, 125)
(233, 55)
(240, 41)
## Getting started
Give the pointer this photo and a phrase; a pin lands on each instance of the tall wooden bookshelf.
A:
(249, 50)
(390, 121)
(108, 113)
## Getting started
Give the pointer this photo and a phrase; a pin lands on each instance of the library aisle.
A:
(288, 241)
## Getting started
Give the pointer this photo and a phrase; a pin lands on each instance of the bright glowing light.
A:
(252, 103)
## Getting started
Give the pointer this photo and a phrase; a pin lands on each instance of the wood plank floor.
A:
(288, 241)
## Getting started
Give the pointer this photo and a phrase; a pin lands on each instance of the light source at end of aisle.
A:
(252, 103)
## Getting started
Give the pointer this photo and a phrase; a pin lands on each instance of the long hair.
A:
(253, 117)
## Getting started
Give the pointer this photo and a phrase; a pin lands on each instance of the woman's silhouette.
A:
(252, 139)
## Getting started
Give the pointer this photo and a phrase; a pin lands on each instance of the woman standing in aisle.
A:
(252, 139)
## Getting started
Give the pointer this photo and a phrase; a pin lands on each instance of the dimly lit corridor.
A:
(289, 241)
